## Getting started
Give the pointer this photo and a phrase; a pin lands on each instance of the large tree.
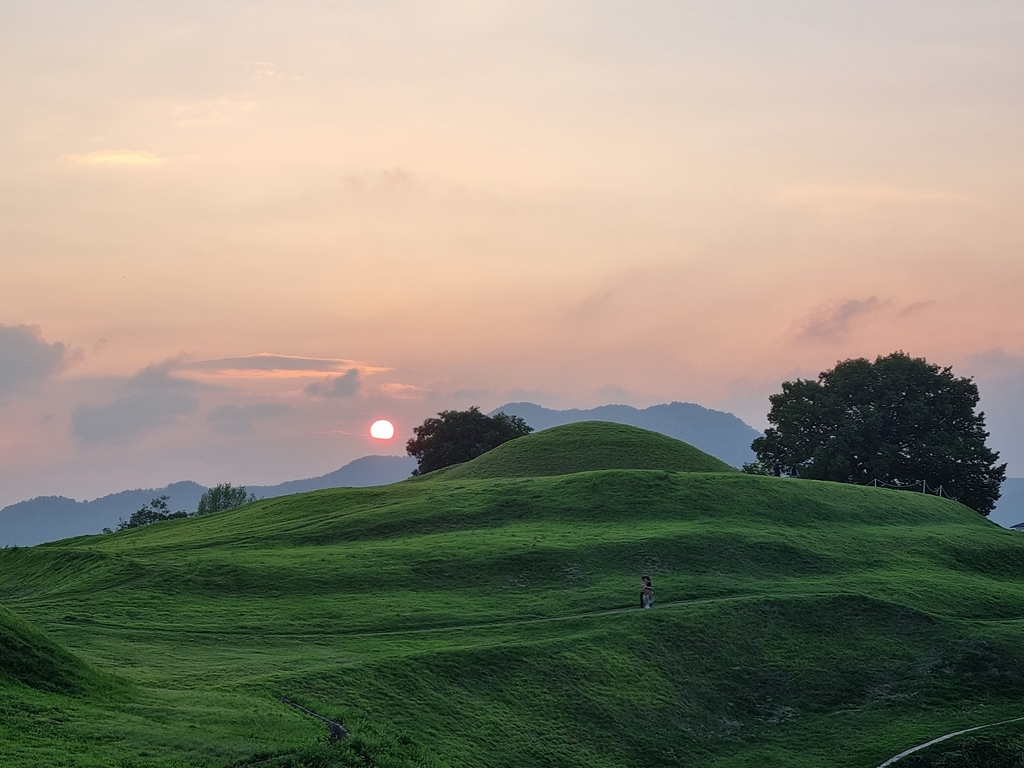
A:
(457, 436)
(899, 420)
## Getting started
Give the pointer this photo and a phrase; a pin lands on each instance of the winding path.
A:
(912, 750)
(177, 629)
(543, 619)
(335, 730)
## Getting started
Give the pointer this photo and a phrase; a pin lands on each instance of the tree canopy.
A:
(223, 496)
(899, 420)
(457, 436)
(153, 512)
(216, 499)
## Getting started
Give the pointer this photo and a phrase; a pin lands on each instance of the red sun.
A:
(382, 429)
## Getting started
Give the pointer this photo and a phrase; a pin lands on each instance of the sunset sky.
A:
(233, 234)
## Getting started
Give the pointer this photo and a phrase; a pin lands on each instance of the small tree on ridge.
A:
(223, 496)
(153, 512)
(457, 436)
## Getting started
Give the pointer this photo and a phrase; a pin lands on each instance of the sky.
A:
(233, 234)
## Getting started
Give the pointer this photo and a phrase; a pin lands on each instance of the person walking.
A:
(646, 592)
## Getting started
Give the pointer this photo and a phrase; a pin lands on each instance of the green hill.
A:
(478, 619)
(28, 657)
(586, 446)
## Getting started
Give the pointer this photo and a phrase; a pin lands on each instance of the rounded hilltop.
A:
(30, 658)
(585, 446)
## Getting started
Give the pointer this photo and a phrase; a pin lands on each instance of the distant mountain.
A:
(369, 470)
(721, 434)
(48, 518)
(1009, 509)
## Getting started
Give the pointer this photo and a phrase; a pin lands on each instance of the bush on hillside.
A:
(216, 499)
(153, 512)
(899, 420)
(458, 436)
(223, 496)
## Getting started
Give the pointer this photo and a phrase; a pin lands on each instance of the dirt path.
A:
(543, 619)
(912, 750)
(335, 730)
(221, 631)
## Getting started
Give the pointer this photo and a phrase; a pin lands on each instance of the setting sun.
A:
(382, 429)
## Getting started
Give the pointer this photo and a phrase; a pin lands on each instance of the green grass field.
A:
(486, 616)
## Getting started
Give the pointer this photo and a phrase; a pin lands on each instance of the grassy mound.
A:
(491, 621)
(29, 657)
(582, 447)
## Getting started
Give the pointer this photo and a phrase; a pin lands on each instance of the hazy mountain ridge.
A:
(49, 518)
(359, 473)
(1009, 509)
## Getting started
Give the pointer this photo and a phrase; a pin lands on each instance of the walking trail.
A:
(927, 744)
(543, 619)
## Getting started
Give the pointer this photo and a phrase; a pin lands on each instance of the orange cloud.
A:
(268, 365)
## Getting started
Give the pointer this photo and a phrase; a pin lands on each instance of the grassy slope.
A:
(829, 625)
(29, 658)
